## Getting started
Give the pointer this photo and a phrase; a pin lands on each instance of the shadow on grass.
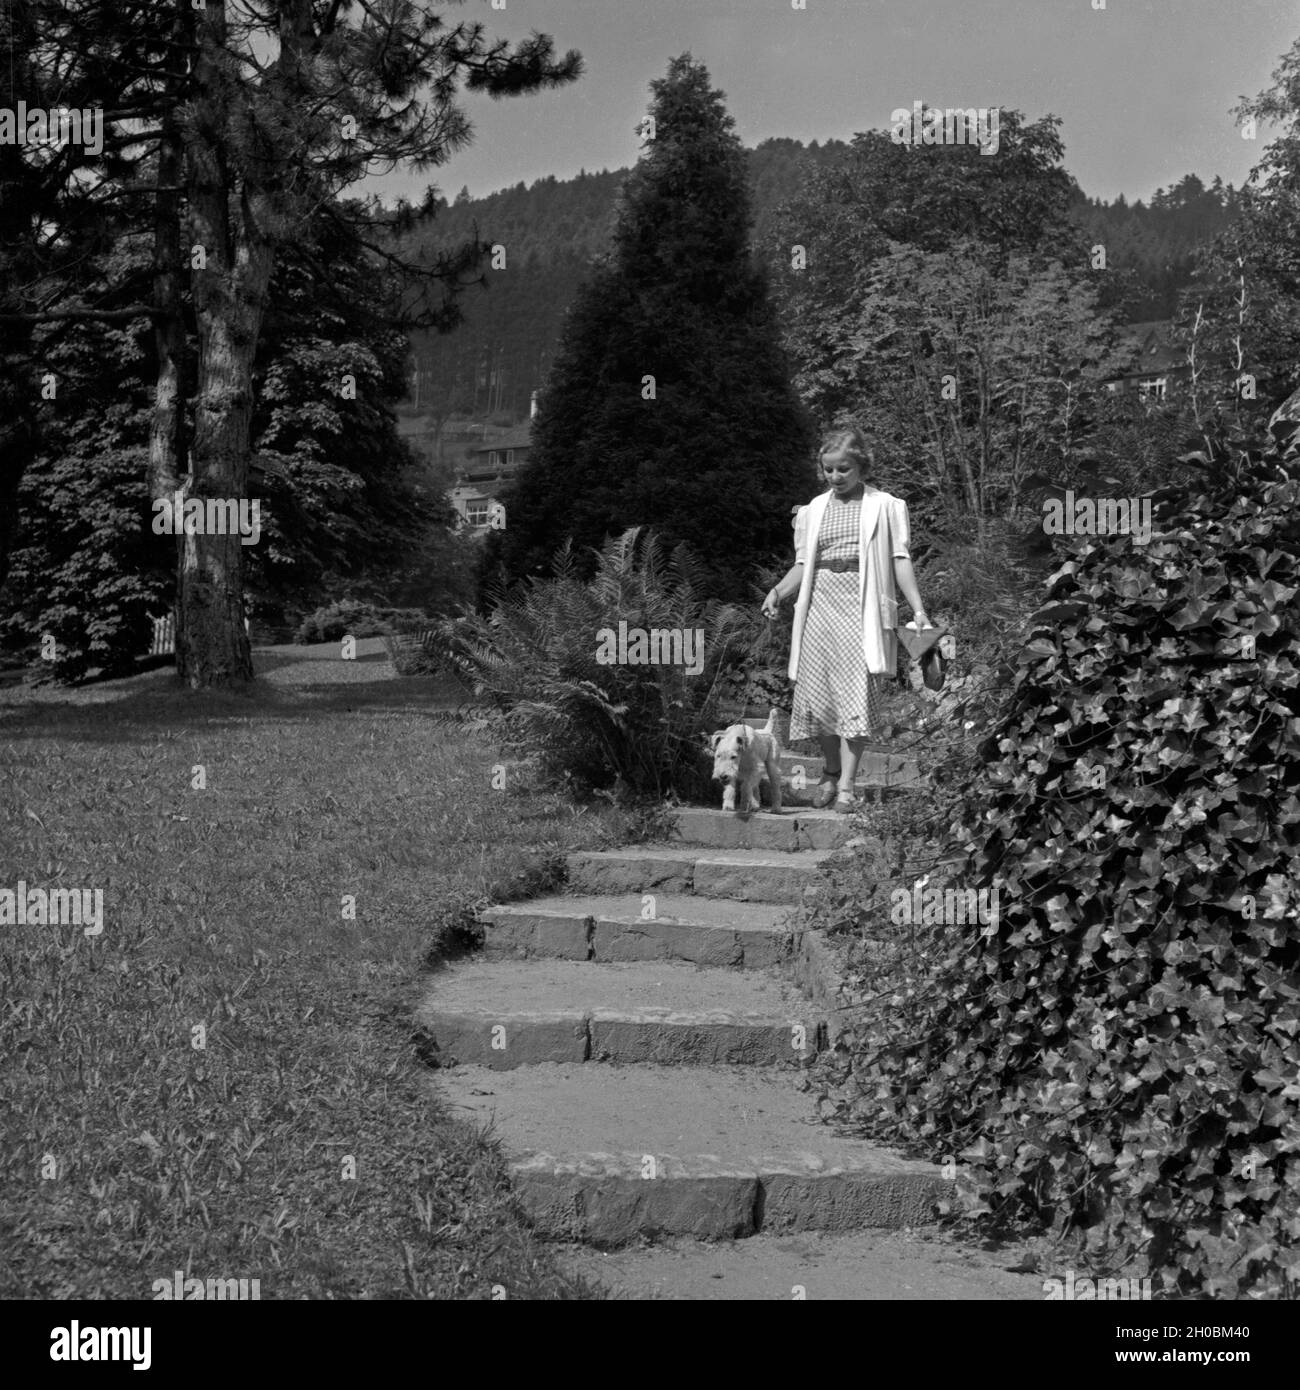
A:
(134, 708)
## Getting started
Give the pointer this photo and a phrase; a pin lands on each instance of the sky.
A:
(1144, 87)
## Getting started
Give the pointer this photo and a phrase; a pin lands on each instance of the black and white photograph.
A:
(649, 652)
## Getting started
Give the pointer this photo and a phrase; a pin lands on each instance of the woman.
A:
(851, 547)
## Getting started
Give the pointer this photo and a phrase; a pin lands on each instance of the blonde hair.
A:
(852, 444)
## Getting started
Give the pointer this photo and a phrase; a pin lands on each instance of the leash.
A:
(760, 647)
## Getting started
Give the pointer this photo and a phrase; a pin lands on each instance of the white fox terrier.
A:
(745, 757)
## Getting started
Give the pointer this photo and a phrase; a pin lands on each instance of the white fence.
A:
(163, 642)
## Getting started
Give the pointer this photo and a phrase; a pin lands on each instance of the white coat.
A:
(886, 532)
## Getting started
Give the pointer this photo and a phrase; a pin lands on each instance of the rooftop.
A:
(518, 438)
(1158, 350)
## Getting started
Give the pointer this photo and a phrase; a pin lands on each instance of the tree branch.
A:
(135, 311)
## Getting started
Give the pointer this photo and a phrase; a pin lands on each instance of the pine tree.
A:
(670, 403)
(256, 118)
(402, 69)
(60, 209)
(338, 504)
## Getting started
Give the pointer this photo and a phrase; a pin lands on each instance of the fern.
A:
(534, 656)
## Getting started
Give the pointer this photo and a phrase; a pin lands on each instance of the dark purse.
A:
(923, 647)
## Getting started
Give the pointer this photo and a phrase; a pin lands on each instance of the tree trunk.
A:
(167, 461)
(230, 287)
(211, 643)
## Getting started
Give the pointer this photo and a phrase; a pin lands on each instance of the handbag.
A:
(923, 647)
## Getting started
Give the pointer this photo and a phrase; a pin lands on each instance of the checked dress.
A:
(834, 692)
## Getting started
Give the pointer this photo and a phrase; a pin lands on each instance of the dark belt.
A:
(838, 566)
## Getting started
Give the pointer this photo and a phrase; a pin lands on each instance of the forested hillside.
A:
(1153, 245)
(552, 229)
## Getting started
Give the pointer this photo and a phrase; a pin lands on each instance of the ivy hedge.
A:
(1116, 1056)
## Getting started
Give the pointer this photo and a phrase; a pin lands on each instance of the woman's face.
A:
(843, 474)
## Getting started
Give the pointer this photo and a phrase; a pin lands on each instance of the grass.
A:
(127, 1151)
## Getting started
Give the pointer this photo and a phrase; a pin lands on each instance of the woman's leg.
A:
(851, 750)
(828, 785)
(831, 756)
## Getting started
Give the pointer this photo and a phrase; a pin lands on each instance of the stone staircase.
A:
(638, 1043)
(881, 771)
(879, 774)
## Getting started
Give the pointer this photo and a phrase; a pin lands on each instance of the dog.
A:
(742, 759)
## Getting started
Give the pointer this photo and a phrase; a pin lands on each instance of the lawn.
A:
(130, 1151)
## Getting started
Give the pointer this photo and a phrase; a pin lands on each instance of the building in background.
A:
(490, 467)
(1158, 362)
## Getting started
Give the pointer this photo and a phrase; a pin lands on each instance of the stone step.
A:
(874, 770)
(869, 1265)
(808, 829)
(798, 793)
(611, 1154)
(635, 926)
(876, 763)
(503, 1014)
(743, 875)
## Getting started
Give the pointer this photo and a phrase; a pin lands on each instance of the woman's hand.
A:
(771, 604)
(921, 618)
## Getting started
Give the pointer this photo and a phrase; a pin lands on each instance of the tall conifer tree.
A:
(670, 404)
